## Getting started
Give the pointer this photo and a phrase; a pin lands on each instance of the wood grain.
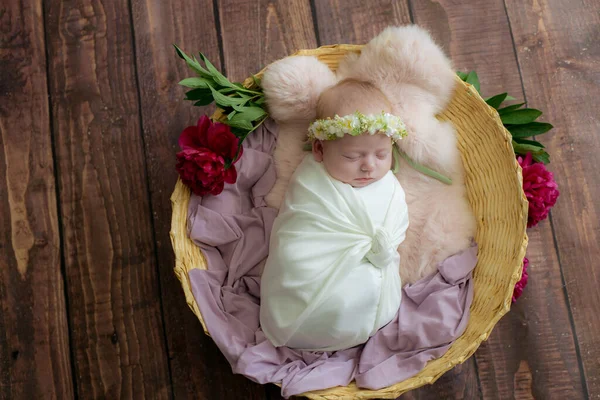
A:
(514, 362)
(112, 283)
(558, 47)
(34, 337)
(199, 370)
(355, 21)
(358, 22)
(256, 33)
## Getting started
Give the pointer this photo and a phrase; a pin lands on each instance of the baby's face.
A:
(355, 160)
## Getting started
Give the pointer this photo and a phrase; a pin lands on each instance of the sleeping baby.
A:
(331, 279)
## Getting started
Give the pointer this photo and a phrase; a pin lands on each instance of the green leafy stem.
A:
(520, 122)
(242, 107)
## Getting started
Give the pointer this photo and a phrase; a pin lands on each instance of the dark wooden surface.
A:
(90, 113)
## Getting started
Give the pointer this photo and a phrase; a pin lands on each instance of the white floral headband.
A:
(356, 124)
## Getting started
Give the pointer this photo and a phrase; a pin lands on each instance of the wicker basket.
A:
(494, 186)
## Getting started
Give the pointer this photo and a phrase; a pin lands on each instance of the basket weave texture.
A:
(494, 187)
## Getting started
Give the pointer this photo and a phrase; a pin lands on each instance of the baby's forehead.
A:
(363, 142)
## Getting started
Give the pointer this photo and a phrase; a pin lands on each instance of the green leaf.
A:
(257, 81)
(520, 117)
(224, 101)
(260, 101)
(462, 75)
(197, 94)
(521, 148)
(496, 100)
(509, 98)
(531, 142)
(510, 108)
(226, 90)
(231, 114)
(202, 97)
(239, 122)
(180, 53)
(218, 77)
(204, 101)
(542, 157)
(195, 83)
(238, 132)
(251, 113)
(530, 129)
(473, 79)
(192, 63)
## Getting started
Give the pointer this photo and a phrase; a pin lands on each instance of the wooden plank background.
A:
(90, 114)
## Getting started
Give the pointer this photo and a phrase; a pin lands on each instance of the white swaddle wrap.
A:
(331, 279)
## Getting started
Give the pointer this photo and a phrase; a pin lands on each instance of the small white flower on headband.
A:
(356, 124)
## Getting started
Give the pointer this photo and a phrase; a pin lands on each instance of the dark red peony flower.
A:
(522, 283)
(206, 149)
(203, 171)
(214, 136)
(540, 189)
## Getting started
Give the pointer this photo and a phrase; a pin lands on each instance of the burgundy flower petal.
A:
(204, 124)
(540, 189)
(222, 141)
(202, 171)
(522, 283)
(189, 138)
(230, 175)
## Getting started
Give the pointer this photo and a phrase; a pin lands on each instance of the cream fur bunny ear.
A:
(292, 87)
(401, 59)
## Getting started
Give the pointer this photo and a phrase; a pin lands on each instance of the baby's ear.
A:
(292, 87)
(317, 150)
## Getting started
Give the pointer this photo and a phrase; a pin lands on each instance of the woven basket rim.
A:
(188, 257)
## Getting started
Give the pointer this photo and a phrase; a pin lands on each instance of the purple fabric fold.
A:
(233, 231)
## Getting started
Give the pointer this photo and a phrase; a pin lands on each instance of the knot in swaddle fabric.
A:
(382, 251)
(331, 279)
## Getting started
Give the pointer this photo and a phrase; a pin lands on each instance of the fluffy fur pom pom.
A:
(292, 87)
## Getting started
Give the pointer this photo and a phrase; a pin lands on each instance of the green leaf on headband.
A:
(520, 117)
(530, 129)
(510, 108)
(496, 100)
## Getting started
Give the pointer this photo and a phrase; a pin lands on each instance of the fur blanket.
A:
(418, 79)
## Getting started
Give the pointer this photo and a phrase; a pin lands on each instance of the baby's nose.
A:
(368, 165)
